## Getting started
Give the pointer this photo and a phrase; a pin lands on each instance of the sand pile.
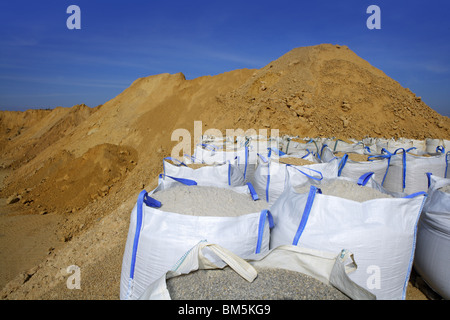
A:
(329, 91)
(12, 123)
(24, 135)
(64, 181)
(85, 166)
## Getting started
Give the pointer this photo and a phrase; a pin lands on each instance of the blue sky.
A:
(43, 64)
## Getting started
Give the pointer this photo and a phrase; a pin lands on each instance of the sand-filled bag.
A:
(353, 168)
(171, 219)
(270, 176)
(380, 231)
(226, 174)
(242, 157)
(210, 272)
(432, 258)
(408, 173)
(292, 145)
(346, 146)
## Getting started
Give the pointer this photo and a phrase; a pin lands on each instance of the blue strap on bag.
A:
(140, 201)
(440, 149)
(246, 160)
(362, 181)
(229, 172)
(447, 158)
(342, 164)
(404, 166)
(413, 195)
(142, 198)
(309, 176)
(321, 151)
(313, 190)
(184, 181)
(268, 181)
(180, 163)
(429, 174)
(209, 146)
(387, 156)
(262, 219)
(252, 191)
(151, 202)
(309, 152)
(277, 151)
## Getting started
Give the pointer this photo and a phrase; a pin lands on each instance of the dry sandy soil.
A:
(73, 174)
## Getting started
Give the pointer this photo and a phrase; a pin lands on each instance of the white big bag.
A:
(156, 238)
(408, 173)
(270, 176)
(218, 175)
(380, 232)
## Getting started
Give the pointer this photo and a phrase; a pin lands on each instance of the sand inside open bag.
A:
(208, 201)
(347, 190)
(270, 284)
(445, 189)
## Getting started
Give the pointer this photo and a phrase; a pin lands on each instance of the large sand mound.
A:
(329, 91)
(85, 166)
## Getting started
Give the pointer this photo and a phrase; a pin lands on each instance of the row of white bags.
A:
(380, 232)
(365, 146)
(399, 171)
(293, 145)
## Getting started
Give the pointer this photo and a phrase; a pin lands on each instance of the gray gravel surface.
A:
(270, 284)
(208, 201)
